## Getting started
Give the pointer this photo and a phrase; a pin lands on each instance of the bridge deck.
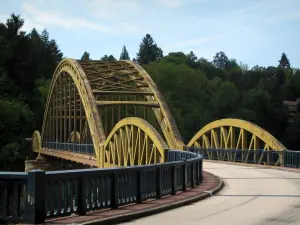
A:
(209, 183)
(76, 157)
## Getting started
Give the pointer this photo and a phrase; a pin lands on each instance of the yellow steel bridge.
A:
(106, 114)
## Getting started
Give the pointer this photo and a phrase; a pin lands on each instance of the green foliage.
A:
(108, 58)
(85, 56)
(293, 133)
(16, 122)
(27, 62)
(149, 51)
(198, 92)
(221, 60)
(124, 54)
(284, 62)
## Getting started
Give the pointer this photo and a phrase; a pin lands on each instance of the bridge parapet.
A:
(36, 196)
(255, 156)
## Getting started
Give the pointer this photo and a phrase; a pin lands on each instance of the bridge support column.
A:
(39, 164)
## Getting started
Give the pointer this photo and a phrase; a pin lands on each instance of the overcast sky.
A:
(252, 31)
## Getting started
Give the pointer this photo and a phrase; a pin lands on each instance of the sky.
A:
(255, 32)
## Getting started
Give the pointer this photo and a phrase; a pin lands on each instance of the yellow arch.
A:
(259, 132)
(36, 141)
(167, 122)
(74, 70)
(128, 138)
(95, 78)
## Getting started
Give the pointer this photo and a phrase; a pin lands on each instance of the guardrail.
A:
(37, 195)
(270, 157)
(291, 159)
(87, 149)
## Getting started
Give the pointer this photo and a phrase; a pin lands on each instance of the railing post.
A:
(82, 186)
(197, 172)
(114, 191)
(173, 174)
(192, 174)
(36, 211)
(158, 183)
(184, 177)
(200, 171)
(139, 195)
(283, 158)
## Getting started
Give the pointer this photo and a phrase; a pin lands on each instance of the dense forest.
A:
(197, 90)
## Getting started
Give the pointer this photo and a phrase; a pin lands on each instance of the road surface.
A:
(251, 196)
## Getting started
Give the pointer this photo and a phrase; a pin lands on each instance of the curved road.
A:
(251, 196)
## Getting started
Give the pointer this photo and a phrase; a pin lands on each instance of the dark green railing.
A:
(270, 157)
(87, 149)
(35, 196)
(291, 159)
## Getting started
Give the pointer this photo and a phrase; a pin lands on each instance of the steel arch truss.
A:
(236, 140)
(134, 141)
(88, 98)
(71, 109)
(123, 89)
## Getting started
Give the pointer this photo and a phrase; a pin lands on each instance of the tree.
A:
(124, 54)
(45, 37)
(45, 53)
(14, 24)
(149, 51)
(221, 60)
(284, 62)
(292, 133)
(15, 58)
(24, 59)
(85, 56)
(191, 59)
(244, 67)
(232, 64)
(108, 58)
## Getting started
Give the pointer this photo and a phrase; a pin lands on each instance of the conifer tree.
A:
(149, 51)
(124, 54)
(284, 61)
(85, 56)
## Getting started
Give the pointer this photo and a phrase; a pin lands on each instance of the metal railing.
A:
(291, 159)
(269, 157)
(87, 149)
(37, 195)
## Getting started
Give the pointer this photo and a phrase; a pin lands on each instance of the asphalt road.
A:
(251, 196)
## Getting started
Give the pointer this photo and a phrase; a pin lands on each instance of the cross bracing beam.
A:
(141, 103)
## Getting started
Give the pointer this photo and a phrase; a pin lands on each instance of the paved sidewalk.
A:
(210, 185)
(297, 170)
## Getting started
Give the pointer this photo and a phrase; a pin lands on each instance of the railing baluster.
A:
(36, 191)
(4, 199)
(82, 186)
(158, 183)
(114, 194)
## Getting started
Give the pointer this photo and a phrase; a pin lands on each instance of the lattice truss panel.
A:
(123, 89)
(134, 141)
(249, 141)
(66, 120)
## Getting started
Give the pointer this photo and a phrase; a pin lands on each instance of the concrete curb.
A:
(147, 212)
(295, 170)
